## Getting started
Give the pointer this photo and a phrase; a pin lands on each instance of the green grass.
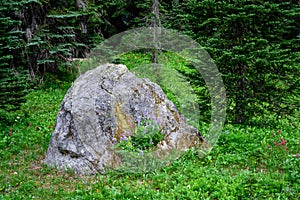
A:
(241, 166)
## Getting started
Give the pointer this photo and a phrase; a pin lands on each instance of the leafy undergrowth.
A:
(246, 163)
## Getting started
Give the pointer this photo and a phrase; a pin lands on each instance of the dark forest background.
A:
(255, 44)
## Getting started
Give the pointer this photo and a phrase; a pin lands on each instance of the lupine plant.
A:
(137, 149)
(145, 137)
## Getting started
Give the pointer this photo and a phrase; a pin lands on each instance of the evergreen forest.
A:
(255, 45)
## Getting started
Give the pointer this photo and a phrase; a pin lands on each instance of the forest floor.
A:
(247, 162)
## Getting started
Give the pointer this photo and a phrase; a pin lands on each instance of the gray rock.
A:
(103, 105)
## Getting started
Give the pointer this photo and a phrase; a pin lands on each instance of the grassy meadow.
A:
(248, 162)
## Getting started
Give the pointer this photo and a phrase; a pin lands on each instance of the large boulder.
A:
(102, 106)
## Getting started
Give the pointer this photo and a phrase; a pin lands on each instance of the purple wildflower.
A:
(123, 137)
(226, 132)
(151, 142)
(114, 141)
(141, 152)
(127, 133)
(139, 119)
(145, 113)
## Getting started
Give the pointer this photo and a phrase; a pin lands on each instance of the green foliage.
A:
(28, 126)
(137, 149)
(13, 78)
(43, 35)
(146, 136)
(255, 44)
(240, 166)
(57, 39)
(13, 87)
(37, 38)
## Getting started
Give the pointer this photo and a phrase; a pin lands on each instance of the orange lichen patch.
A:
(125, 122)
